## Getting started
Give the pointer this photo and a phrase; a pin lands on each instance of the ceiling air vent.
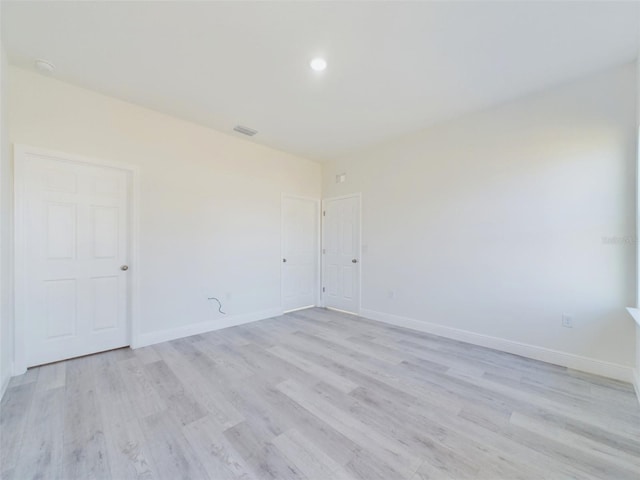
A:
(245, 130)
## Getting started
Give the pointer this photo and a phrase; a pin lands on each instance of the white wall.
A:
(6, 235)
(637, 366)
(494, 223)
(637, 304)
(209, 207)
(491, 223)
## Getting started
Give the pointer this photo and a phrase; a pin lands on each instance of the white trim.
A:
(342, 197)
(322, 208)
(556, 357)
(19, 153)
(334, 309)
(298, 309)
(5, 383)
(134, 248)
(635, 314)
(19, 359)
(152, 338)
(319, 258)
(318, 204)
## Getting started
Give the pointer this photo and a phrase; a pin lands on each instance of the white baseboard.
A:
(5, 382)
(3, 389)
(635, 314)
(299, 309)
(152, 338)
(556, 357)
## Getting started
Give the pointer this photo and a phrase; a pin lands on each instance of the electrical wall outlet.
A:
(567, 321)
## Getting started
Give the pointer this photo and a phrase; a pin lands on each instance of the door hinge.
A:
(324, 213)
(324, 250)
(323, 289)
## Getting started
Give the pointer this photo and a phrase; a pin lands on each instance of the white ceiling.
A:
(394, 67)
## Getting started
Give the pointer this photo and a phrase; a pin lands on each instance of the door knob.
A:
(354, 261)
(284, 260)
(124, 267)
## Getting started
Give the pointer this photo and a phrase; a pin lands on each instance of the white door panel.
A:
(299, 252)
(75, 219)
(341, 253)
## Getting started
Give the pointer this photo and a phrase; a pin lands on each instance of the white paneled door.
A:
(74, 219)
(341, 253)
(300, 218)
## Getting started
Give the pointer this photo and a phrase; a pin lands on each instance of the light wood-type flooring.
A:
(316, 395)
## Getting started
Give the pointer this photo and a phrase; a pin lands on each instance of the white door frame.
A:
(19, 272)
(317, 202)
(342, 197)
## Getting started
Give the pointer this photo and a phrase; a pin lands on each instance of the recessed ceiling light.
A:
(318, 64)
(44, 67)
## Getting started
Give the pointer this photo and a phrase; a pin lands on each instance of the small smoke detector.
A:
(44, 67)
(245, 130)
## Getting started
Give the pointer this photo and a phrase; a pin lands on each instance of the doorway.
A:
(341, 253)
(74, 240)
(300, 245)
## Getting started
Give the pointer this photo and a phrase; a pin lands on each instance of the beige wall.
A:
(494, 223)
(209, 205)
(6, 234)
(637, 364)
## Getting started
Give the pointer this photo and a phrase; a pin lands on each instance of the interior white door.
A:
(299, 252)
(341, 253)
(75, 224)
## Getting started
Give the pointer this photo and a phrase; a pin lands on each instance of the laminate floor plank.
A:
(217, 455)
(394, 454)
(198, 375)
(424, 440)
(143, 398)
(172, 455)
(541, 405)
(85, 448)
(228, 361)
(30, 376)
(312, 461)
(220, 360)
(14, 411)
(315, 370)
(181, 403)
(42, 445)
(595, 449)
(259, 452)
(370, 373)
(292, 415)
(316, 395)
(51, 376)
(147, 354)
(129, 456)
(464, 437)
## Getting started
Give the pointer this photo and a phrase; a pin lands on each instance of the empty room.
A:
(316, 240)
